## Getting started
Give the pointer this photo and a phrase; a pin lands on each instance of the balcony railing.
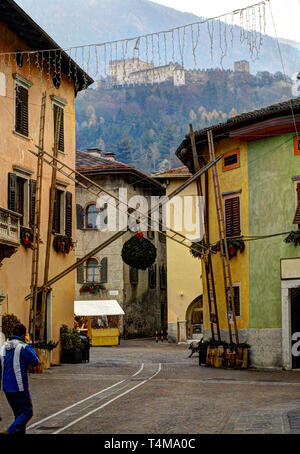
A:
(9, 227)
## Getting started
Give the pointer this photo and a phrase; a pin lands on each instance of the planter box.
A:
(71, 356)
(44, 357)
(242, 358)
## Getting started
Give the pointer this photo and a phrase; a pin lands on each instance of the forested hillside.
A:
(144, 125)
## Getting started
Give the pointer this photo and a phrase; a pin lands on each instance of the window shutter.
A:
(79, 216)
(80, 273)
(69, 213)
(32, 201)
(12, 192)
(152, 276)
(21, 116)
(163, 278)
(232, 217)
(61, 138)
(134, 275)
(297, 214)
(237, 304)
(103, 271)
(56, 214)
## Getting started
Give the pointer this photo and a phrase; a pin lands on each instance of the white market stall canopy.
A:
(97, 307)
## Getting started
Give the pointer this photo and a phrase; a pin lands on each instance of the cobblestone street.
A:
(144, 387)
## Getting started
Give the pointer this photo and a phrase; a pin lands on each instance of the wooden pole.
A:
(229, 297)
(50, 222)
(37, 223)
(200, 193)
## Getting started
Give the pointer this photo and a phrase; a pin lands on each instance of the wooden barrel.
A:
(44, 357)
(219, 357)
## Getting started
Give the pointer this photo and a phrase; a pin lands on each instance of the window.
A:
(232, 217)
(237, 299)
(91, 216)
(231, 160)
(297, 214)
(297, 146)
(61, 139)
(152, 276)
(21, 110)
(18, 195)
(134, 276)
(63, 213)
(57, 213)
(161, 236)
(92, 271)
(163, 277)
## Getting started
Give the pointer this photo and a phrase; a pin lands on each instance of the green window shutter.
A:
(80, 273)
(61, 138)
(56, 213)
(134, 275)
(12, 192)
(21, 114)
(69, 214)
(79, 217)
(103, 270)
(32, 202)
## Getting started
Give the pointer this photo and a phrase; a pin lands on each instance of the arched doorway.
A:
(194, 319)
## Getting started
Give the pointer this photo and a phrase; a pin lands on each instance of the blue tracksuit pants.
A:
(21, 405)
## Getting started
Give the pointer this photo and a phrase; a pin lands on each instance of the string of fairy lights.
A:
(178, 46)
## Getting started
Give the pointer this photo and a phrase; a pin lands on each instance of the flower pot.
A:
(230, 359)
(44, 357)
(242, 358)
(210, 357)
(71, 356)
(219, 357)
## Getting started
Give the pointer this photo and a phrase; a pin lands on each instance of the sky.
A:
(286, 13)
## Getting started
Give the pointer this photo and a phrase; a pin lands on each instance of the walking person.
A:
(15, 356)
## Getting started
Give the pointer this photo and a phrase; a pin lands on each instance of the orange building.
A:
(23, 79)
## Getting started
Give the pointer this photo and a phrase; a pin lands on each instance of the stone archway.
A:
(194, 319)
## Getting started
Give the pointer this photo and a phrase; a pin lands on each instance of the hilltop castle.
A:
(135, 71)
(138, 72)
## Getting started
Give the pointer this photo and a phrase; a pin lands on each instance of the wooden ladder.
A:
(229, 295)
(210, 283)
(37, 220)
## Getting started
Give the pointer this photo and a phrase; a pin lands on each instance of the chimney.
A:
(110, 156)
(94, 152)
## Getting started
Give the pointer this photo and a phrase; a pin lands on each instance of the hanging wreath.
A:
(26, 237)
(293, 237)
(138, 252)
(63, 244)
(234, 245)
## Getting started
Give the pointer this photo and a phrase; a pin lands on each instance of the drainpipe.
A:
(2, 298)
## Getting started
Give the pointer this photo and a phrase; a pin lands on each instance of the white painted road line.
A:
(83, 400)
(107, 403)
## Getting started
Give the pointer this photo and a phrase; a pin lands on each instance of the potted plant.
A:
(43, 350)
(71, 345)
(92, 288)
(234, 245)
(63, 244)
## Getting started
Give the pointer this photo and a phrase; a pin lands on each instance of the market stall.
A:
(102, 320)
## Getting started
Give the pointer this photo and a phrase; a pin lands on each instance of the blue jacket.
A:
(15, 357)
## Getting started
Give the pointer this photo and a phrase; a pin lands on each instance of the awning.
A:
(97, 307)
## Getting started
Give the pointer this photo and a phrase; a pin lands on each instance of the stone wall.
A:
(266, 345)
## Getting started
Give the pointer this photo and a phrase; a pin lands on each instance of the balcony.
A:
(9, 233)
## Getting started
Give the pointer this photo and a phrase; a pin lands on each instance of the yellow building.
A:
(233, 178)
(185, 304)
(23, 79)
